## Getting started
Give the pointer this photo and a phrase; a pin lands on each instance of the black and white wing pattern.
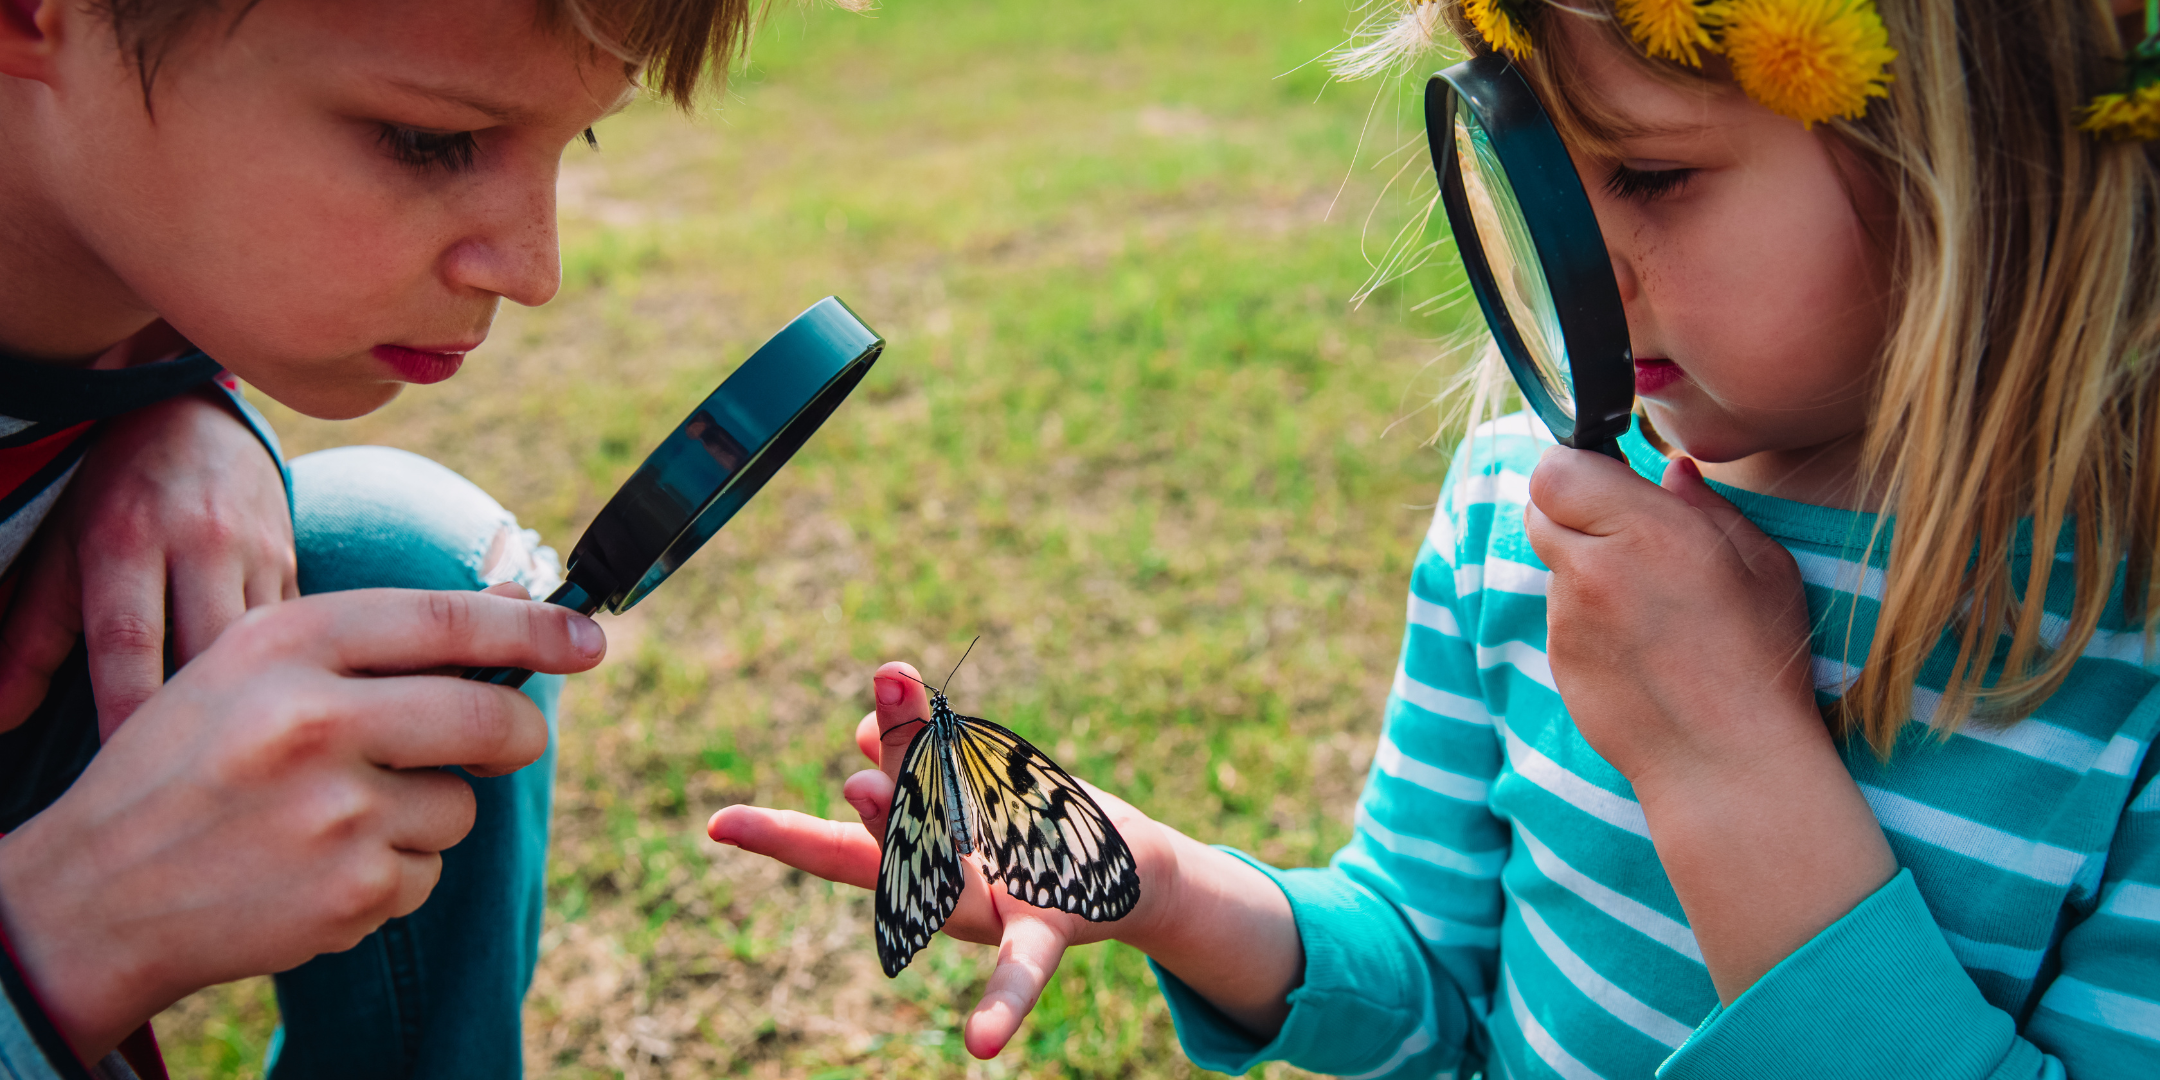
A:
(968, 786)
(1038, 831)
(919, 875)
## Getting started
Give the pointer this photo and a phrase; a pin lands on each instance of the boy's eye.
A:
(452, 152)
(1646, 185)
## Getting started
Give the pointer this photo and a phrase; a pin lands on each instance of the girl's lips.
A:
(1655, 374)
(425, 366)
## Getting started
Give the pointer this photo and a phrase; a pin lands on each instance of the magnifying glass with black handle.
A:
(712, 463)
(1531, 247)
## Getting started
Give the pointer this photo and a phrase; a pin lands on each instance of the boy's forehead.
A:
(492, 58)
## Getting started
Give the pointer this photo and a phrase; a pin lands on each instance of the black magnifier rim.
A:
(721, 454)
(1570, 248)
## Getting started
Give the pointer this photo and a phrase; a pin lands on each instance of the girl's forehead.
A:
(1625, 99)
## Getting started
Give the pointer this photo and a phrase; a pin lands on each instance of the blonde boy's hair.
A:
(2017, 400)
(672, 46)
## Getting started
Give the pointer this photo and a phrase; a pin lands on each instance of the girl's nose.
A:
(514, 252)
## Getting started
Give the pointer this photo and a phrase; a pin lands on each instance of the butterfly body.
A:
(970, 787)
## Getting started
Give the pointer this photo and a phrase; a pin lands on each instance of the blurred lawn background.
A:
(1129, 429)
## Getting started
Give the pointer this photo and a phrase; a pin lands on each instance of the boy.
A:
(330, 200)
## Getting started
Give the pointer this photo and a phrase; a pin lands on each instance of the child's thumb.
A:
(1685, 479)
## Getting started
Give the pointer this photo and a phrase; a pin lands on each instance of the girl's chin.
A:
(1688, 436)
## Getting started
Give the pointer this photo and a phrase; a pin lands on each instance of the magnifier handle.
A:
(569, 595)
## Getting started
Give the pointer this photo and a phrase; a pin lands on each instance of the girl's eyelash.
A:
(1646, 185)
(427, 150)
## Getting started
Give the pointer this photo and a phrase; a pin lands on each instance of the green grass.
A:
(1129, 430)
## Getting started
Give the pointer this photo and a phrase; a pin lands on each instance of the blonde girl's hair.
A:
(673, 46)
(2017, 400)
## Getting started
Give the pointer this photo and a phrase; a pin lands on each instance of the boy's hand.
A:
(1030, 940)
(177, 500)
(281, 797)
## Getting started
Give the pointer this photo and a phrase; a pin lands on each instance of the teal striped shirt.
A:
(1500, 907)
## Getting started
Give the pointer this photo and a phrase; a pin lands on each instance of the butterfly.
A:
(968, 786)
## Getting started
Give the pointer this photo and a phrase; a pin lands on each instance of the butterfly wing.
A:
(1038, 830)
(919, 875)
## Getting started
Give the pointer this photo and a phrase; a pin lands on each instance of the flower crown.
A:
(1812, 60)
(2132, 114)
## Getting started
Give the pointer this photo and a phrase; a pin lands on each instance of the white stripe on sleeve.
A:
(1628, 911)
(2002, 850)
(2081, 1000)
(1625, 1007)
(1439, 702)
(1433, 616)
(1484, 865)
(1390, 759)
(1614, 810)
(1541, 1041)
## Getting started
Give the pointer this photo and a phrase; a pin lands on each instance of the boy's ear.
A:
(30, 33)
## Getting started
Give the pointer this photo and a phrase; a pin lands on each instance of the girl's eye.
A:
(427, 150)
(1646, 185)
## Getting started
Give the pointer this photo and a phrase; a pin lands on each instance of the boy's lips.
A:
(422, 366)
(1655, 373)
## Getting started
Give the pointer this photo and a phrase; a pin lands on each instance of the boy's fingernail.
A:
(585, 635)
(888, 691)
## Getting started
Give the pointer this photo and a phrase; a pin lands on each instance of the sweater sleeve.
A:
(31, 1048)
(1880, 994)
(1401, 930)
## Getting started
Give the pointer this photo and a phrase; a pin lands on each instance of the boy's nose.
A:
(516, 254)
(1624, 274)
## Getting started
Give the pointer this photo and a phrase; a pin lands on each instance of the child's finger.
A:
(902, 702)
(870, 792)
(205, 600)
(1685, 479)
(1027, 957)
(40, 630)
(123, 613)
(833, 850)
(382, 630)
(1587, 492)
(866, 738)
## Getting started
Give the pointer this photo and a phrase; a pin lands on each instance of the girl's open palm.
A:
(1030, 939)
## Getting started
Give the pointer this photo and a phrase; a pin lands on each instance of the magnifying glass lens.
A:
(1517, 272)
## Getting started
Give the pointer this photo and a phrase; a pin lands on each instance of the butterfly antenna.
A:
(956, 667)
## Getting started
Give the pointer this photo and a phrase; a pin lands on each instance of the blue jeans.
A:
(439, 992)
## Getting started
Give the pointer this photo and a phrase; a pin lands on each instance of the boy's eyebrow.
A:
(496, 111)
(499, 112)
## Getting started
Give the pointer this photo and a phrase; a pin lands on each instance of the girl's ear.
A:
(29, 35)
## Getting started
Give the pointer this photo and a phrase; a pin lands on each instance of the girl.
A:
(1826, 756)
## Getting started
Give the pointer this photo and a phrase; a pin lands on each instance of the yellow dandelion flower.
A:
(1668, 29)
(2125, 117)
(1496, 22)
(1812, 60)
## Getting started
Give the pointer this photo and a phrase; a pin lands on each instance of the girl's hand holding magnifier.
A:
(1678, 636)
